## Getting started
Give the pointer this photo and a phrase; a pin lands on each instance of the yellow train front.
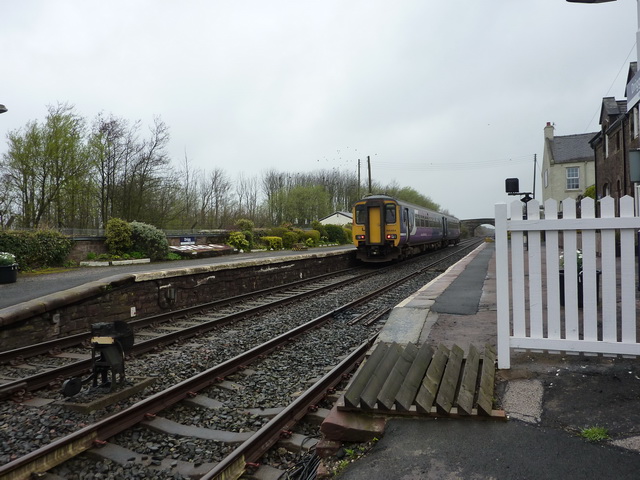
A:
(386, 229)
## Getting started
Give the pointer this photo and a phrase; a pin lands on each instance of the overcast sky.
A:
(447, 97)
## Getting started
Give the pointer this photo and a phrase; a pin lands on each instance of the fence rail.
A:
(540, 283)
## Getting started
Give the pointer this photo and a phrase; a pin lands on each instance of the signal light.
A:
(360, 237)
(391, 236)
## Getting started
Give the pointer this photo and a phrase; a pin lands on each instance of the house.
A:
(568, 165)
(337, 218)
(618, 135)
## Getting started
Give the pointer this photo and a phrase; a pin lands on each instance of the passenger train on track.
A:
(386, 229)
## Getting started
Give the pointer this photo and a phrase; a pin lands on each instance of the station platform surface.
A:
(548, 399)
(34, 286)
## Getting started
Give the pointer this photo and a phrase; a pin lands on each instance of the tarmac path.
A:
(31, 286)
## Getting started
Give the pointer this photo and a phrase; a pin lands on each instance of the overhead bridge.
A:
(473, 223)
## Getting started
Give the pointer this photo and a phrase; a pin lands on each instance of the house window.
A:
(573, 178)
(546, 178)
(606, 145)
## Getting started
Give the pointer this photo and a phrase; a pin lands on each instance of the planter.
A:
(9, 273)
(580, 287)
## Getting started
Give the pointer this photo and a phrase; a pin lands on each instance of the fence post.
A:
(502, 287)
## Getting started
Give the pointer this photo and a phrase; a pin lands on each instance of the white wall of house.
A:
(554, 175)
(336, 218)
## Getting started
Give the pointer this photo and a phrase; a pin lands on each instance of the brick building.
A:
(618, 136)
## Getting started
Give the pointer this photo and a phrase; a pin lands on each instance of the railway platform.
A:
(548, 399)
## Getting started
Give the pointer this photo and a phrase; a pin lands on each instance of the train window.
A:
(360, 214)
(390, 213)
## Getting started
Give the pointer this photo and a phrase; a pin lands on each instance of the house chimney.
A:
(548, 131)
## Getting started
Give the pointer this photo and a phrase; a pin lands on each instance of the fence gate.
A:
(560, 286)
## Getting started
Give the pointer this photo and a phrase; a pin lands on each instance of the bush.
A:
(38, 249)
(258, 235)
(250, 243)
(335, 234)
(149, 240)
(118, 234)
(289, 239)
(314, 235)
(244, 225)
(277, 231)
(238, 241)
(316, 225)
(348, 233)
(272, 243)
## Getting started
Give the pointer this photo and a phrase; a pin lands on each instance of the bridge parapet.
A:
(472, 223)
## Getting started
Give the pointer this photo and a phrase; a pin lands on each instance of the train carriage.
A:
(386, 229)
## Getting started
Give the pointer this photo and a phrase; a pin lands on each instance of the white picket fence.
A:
(530, 315)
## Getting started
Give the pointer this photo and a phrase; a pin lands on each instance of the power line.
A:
(471, 165)
(612, 83)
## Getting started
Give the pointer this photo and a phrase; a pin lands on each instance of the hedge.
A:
(36, 249)
(272, 243)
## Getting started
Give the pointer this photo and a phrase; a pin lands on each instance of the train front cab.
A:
(376, 230)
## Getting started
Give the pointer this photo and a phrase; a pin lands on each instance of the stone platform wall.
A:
(123, 296)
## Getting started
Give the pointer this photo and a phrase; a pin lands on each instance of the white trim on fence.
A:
(530, 314)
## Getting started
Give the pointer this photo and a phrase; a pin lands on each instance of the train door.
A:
(407, 222)
(445, 228)
(374, 224)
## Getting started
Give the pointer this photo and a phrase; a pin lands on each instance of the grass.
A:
(595, 434)
(351, 455)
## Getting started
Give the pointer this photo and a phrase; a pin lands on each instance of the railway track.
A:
(353, 325)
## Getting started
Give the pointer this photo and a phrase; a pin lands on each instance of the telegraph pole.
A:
(534, 174)
(369, 168)
(358, 179)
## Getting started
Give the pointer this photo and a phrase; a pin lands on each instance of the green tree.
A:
(46, 165)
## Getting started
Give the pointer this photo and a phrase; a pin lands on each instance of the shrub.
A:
(272, 243)
(250, 243)
(238, 241)
(118, 234)
(335, 234)
(316, 225)
(314, 235)
(149, 240)
(289, 239)
(244, 225)
(258, 235)
(277, 231)
(38, 249)
(348, 233)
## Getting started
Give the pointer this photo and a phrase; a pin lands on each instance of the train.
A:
(386, 229)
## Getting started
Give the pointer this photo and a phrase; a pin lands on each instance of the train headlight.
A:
(360, 237)
(391, 236)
